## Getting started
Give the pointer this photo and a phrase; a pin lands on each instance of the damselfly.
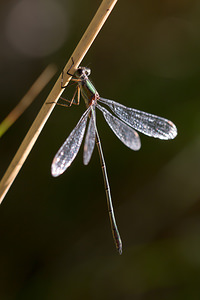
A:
(123, 126)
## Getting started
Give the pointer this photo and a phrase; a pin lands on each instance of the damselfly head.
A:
(82, 72)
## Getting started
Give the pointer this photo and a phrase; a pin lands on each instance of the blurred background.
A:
(55, 235)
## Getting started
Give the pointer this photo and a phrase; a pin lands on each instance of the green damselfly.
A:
(123, 126)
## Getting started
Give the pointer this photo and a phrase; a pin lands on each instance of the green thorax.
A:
(88, 91)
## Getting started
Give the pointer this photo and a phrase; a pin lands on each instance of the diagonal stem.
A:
(37, 126)
(28, 98)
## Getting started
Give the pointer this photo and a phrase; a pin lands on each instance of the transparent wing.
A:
(89, 139)
(68, 151)
(126, 134)
(144, 122)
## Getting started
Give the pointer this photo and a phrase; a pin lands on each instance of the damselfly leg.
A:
(123, 124)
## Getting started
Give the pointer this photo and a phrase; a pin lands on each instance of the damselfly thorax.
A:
(123, 124)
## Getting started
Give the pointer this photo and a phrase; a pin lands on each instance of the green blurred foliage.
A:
(55, 234)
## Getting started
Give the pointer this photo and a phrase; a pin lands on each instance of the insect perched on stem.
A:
(123, 126)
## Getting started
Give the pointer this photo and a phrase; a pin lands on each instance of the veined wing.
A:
(126, 134)
(90, 138)
(68, 151)
(144, 122)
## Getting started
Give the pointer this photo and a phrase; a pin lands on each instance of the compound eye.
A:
(79, 71)
(87, 72)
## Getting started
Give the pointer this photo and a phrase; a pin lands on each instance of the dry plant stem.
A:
(37, 126)
(28, 98)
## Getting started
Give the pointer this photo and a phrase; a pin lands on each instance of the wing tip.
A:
(173, 130)
(55, 172)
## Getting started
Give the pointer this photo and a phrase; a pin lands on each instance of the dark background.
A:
(55, 237)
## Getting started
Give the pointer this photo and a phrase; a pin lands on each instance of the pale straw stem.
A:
(38, 124)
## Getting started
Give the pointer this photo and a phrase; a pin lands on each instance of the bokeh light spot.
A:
(37, 28)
